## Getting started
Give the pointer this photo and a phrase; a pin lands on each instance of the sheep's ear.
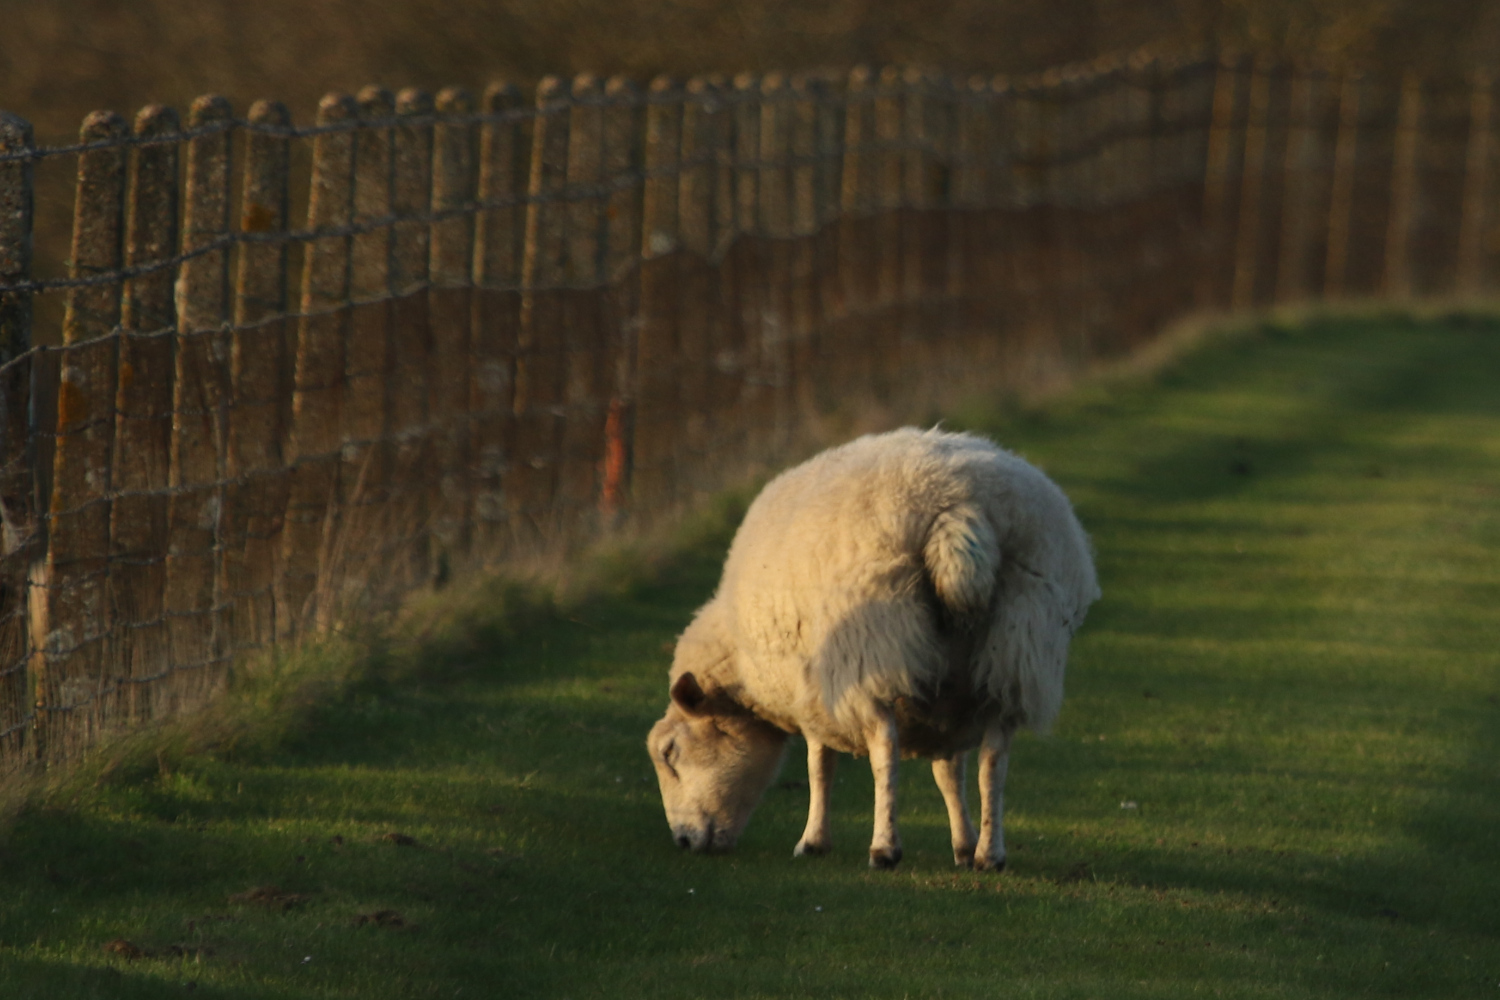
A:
(688, 695)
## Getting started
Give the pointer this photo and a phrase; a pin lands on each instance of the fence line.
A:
(301, 372)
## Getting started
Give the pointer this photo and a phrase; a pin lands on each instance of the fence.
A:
(506, 325)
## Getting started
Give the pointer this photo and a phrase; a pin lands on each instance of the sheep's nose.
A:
(683, 841)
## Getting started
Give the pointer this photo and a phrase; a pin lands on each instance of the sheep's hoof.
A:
(810, 848)
(989, 864)
(963, 857)
(885, 858)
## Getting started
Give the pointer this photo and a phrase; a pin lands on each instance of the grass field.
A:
(1277, 773)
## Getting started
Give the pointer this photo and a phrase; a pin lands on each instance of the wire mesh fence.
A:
(300, 372)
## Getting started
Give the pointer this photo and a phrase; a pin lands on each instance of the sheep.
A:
(908, 593)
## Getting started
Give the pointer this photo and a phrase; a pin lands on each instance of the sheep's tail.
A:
(963, 559)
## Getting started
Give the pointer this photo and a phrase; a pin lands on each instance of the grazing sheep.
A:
(905, 593)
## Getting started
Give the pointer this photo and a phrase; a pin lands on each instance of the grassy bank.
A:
(1274, 775)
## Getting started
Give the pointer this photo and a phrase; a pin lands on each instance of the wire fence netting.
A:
(285, 376)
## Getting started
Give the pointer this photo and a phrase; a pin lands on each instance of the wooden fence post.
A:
(1475, 212)
(78, 680)
(1247, 244)
(698, 315)
(622, 159)
(141, 472)
(260, 380)
(451, 309)
(18, 534)
(410, 371)
(806, 258)
(1341, 193)
(658, 413)
(773, 189)
(587, 371)
(540, 364)
(850, 351)
(198, 616)
(314, 445)
(1302, 170)
(1219, 208)
(497, 277)
(1397, 283)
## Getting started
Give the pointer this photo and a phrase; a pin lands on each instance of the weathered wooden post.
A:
(79, 680)
(698, 318)
(198, 615)
(141, 468)
(410, 385)
(1247, 242)
(540, 363)
(803, 312)
(315, 441)
(773, 186)
(622, 235)
(1397, 280)
(260, 376)
(1475, 211)
(451, 306)
(1225, 153)
(1341, 189)
(18, 534)
(657, 409)
(366, 513)
(850, 348)
(497, 278)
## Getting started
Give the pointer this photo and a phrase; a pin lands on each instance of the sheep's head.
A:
(714, 760)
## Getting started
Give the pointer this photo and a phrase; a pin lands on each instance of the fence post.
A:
(1404, 190)
(78, 680)
(314, 444)
(198, 617)
(850, 351)
(1247, 244)
(497, 274)
(1218, 187)
(773, 189)
(410, 372)
(260, 381)
(1341, 194)
(366, 540)
(141, 470)
(657, 410)
(451, 306)
(698, 315)
(806, 255)
(18, 535)
(1475, 211)
(1302, 172)
(622, 234)
(540, 367)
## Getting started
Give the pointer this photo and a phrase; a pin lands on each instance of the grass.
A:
(1275, 774)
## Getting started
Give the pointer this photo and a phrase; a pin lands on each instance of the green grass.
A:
(1292, 675)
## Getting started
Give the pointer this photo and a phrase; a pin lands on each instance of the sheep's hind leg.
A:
(817, 839)
(950, 774)
(885, 758)
(994, 760)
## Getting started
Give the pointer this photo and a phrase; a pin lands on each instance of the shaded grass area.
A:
(1275, 774)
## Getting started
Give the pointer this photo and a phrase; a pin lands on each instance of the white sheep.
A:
(905, 593)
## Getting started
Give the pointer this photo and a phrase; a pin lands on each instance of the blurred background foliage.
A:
(60, 59)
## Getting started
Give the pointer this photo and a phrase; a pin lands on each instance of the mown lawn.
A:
(1277, 773)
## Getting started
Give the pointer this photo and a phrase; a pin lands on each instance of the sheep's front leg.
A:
(994, 759)
(950, 774)
(885, 757)
(817, 839)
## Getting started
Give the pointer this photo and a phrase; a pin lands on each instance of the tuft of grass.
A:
(1274, 775)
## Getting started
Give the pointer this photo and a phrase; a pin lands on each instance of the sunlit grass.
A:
(1275, 774)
